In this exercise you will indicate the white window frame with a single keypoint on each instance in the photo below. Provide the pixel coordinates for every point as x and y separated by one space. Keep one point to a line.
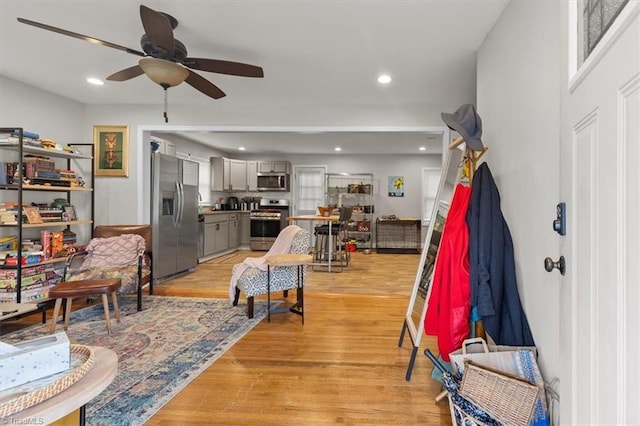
318 190
430 183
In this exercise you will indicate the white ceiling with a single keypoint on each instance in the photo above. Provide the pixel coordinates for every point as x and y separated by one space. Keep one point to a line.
314 53
321 142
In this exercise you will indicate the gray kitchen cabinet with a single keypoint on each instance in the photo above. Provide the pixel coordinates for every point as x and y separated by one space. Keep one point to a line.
219 173
252 175
216 233
233 231
228 174
237 175
209 238
274 167
244 229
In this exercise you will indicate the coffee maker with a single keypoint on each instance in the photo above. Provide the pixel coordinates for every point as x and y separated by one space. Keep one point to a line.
233 203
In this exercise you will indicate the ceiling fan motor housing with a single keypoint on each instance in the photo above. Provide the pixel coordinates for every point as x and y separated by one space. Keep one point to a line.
179 52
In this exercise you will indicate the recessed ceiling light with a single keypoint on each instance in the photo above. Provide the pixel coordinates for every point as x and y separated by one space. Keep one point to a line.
95 81
337 148
241 148
384 79
423 148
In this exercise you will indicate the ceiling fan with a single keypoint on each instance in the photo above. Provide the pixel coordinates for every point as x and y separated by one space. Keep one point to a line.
164 58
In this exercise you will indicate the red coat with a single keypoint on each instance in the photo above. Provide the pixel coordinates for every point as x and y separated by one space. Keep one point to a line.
450 301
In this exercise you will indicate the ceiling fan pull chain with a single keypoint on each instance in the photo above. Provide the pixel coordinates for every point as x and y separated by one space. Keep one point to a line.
166 117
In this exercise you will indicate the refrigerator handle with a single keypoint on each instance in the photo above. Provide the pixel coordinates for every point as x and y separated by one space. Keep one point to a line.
181 211
176 209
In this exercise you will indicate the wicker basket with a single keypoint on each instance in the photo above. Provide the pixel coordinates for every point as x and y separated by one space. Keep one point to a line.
324 211
508 399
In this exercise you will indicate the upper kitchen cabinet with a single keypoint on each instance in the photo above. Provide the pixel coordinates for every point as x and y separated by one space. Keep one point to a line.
274 167
228 174
252 175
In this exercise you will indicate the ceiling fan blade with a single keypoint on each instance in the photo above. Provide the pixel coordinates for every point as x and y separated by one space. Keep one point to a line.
205 86
126 74
81 36
224 67
158 29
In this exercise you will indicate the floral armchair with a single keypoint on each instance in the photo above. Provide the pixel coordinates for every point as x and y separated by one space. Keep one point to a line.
116 251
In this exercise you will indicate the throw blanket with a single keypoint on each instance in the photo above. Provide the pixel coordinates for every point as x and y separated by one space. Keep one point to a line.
281 245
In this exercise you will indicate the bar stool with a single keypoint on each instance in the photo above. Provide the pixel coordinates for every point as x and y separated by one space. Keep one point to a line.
323 239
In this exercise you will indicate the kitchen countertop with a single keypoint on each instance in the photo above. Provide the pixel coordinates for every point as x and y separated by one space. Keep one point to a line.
208 212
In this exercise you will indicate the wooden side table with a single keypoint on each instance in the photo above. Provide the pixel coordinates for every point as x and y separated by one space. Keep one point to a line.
288 260
75 396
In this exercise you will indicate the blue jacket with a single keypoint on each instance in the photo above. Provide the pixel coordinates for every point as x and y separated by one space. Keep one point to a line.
494 288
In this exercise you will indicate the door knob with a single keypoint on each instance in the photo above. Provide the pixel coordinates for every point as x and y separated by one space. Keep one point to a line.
549 264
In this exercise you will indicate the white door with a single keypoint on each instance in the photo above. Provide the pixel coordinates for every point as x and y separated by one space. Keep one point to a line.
600 295
308 189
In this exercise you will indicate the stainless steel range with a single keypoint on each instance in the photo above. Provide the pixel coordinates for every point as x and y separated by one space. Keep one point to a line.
267 222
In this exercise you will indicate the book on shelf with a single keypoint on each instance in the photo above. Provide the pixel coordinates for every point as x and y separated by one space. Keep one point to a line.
32 214
52 244
8 217
10 172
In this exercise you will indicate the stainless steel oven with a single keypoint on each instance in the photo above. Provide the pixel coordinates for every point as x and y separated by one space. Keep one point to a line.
267 222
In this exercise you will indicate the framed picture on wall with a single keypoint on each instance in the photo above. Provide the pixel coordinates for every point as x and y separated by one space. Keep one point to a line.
111 150
395 186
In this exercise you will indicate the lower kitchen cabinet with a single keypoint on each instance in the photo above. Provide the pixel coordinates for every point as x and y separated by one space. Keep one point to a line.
244 225
216 233
233 231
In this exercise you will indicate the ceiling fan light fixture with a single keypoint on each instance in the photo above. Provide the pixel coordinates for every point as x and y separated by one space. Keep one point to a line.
165 73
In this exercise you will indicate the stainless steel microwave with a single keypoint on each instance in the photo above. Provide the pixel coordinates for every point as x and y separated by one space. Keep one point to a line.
273 182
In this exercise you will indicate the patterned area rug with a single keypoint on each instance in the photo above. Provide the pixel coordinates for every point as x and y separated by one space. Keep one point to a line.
160 349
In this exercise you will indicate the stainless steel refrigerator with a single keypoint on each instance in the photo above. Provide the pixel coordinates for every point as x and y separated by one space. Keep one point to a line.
174 215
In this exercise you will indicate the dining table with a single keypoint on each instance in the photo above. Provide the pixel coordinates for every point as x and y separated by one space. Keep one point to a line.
312 218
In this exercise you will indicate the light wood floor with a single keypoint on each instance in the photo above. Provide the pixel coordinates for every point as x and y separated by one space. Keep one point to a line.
343 366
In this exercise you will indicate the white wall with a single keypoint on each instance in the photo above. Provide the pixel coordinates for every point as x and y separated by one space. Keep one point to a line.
52 116
150 117
409 166
64 120
518 100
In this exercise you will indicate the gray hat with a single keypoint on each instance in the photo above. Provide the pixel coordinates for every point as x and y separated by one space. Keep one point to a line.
468 124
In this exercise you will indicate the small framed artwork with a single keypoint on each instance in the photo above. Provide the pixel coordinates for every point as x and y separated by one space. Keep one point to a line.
395 187
32 214
111 150
69 214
